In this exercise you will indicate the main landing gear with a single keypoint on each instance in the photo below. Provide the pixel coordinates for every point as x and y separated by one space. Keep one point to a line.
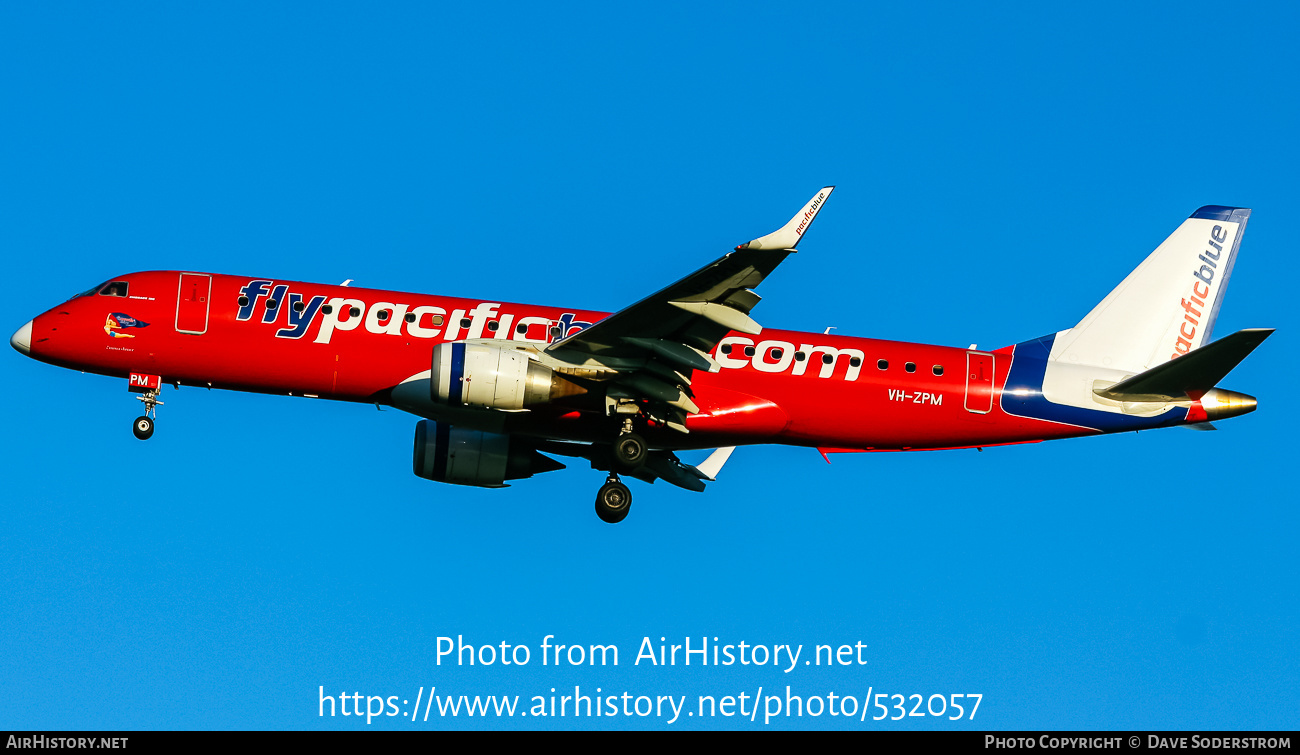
613 501
629 449
143 425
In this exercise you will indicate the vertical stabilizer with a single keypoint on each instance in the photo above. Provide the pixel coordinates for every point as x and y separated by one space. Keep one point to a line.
1168 305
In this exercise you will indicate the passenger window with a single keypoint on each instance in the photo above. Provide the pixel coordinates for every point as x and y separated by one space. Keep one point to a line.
116 288
882 364
938 370
910 366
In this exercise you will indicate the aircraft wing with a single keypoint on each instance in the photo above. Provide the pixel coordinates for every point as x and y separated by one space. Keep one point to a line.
670 333
659 465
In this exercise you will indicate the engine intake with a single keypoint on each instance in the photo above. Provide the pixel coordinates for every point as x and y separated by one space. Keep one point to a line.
494 378
444 453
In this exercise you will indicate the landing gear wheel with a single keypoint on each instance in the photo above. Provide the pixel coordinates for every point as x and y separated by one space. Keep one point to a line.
143 428
630 451
613 501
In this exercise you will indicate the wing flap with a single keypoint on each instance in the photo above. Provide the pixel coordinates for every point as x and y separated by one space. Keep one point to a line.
728 317
678 353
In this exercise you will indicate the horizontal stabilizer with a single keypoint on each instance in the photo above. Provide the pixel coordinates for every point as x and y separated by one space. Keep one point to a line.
1191 375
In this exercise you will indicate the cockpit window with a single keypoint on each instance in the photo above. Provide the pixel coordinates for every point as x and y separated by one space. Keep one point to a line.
116 288
87 292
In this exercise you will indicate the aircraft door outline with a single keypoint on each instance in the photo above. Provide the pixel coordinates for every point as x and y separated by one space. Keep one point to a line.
979 382
193 303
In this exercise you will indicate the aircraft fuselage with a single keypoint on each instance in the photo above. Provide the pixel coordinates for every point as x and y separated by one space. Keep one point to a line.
355 344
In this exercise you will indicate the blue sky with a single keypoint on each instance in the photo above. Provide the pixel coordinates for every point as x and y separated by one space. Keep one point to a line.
999 171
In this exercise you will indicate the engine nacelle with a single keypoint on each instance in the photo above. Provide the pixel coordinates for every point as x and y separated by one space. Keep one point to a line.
493 377
444 453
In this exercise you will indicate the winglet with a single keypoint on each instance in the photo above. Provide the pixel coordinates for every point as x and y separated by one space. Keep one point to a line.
790 234
712 465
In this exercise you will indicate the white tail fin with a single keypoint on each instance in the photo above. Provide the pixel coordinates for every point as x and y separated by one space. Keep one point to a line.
1168 305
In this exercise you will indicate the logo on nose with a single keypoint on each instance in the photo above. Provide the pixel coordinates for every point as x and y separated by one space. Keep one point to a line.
117 322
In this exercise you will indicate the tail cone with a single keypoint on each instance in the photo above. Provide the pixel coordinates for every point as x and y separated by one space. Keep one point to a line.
1221 404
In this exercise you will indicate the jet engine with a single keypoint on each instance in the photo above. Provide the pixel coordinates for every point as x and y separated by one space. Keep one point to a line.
493 377
444 453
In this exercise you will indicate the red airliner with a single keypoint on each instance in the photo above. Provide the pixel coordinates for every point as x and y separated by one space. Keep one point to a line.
502 388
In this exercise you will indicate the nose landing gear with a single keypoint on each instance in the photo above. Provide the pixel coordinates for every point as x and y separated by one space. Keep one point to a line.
149 386
143 426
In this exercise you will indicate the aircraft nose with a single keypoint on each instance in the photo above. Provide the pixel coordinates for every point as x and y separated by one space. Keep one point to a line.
22 339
